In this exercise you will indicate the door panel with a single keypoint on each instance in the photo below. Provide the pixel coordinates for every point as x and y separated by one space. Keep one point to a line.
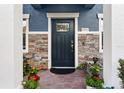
62 43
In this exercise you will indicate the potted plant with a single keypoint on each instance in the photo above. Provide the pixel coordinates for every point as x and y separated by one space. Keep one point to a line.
121 71
32 81
93 79
94 82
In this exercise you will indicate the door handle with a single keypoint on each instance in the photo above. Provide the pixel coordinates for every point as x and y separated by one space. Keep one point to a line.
72 45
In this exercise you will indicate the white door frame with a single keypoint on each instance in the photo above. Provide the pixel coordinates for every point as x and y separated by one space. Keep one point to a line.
62 15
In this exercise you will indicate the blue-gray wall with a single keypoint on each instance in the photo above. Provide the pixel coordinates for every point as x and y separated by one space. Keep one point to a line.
39 22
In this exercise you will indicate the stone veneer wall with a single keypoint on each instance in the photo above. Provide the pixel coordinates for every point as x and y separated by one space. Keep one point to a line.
88 47
38 48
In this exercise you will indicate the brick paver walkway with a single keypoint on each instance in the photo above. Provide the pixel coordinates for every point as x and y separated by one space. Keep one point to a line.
49 80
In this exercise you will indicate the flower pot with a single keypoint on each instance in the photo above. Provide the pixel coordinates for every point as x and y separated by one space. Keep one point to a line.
89 87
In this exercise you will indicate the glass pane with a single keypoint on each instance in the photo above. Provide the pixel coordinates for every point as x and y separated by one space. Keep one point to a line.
62 27
24 41
24 34
102 40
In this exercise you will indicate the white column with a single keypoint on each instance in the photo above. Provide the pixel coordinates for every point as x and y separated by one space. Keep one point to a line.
76 42
117 41
107 52
10 46
18 48
113 43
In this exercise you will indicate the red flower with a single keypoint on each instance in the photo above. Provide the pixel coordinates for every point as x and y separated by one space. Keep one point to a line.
33 77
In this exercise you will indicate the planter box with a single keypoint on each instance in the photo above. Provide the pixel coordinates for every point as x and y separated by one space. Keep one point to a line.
89 87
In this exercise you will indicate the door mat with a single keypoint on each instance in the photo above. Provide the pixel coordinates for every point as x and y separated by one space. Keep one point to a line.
62 70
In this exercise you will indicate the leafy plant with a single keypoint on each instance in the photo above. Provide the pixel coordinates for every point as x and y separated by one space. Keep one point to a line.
94 82
30 84
95 69
121 71
27 69
82 66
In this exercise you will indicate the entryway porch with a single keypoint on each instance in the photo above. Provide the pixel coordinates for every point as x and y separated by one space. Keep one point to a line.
49 80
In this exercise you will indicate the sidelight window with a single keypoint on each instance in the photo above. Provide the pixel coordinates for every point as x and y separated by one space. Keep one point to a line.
25 32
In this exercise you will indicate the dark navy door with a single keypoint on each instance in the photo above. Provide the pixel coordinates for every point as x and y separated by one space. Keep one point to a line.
63 43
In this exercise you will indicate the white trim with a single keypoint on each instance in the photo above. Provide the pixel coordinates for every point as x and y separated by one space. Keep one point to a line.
76 42
89 32
62 15
100 16
37 32
26 16
49 43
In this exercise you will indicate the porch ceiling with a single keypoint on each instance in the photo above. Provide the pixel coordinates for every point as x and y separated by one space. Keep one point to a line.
42 6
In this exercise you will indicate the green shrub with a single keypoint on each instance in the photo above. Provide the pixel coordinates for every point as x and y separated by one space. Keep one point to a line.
121 71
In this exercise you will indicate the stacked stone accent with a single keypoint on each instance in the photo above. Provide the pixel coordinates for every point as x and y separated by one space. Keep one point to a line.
38 49
88 47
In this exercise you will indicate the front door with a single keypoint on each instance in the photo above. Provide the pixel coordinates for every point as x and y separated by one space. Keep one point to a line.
63 43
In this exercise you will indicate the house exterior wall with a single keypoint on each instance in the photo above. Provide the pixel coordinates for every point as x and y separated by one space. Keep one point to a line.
88 44
39 22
